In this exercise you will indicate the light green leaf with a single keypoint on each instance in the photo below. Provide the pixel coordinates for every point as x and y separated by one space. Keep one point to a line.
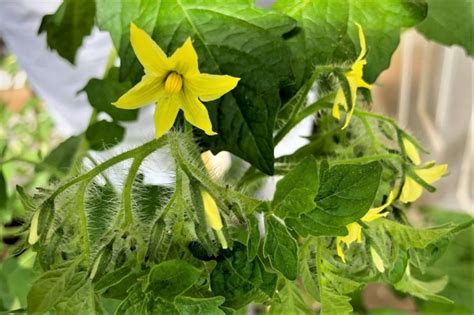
450 23
237 39
290 302
209 306
329 34
68 26
280 248
425 290
296 191
346 193
171 278
3 191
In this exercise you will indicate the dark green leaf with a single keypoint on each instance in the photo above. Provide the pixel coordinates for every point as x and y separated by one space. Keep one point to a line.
450 23
3 191
171 278
329 33
305 225
67 27
237 39
253 240
242 281
280 248
346 193
296 191
101 94
209 306
63 155
103 135
112 278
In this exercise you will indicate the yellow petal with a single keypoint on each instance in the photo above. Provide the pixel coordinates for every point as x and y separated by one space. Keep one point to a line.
209 87
432 174
213 216
411 151
339 250
185 59
362 43
377 260
149 54
33 237
374 213
165 114
147 91
411 190
196 113
339 100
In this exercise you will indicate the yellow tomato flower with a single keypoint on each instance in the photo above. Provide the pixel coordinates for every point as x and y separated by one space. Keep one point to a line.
173 83
355 229
355 80
411 151
430 173
213 216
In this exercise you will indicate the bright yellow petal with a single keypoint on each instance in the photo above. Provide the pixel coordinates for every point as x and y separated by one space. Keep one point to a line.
411 151
355 234
149 54
339 250
185 59
374 213
432 174
147 91
196 113
213 216
339 100
209 87
411 190
362 43
165 114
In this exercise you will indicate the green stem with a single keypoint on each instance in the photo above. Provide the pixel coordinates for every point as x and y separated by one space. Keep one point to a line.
367 159
370 132
144 149
127 189
81 212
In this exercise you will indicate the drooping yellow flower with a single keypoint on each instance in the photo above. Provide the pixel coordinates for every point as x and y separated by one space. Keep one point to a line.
213 216
355 80
173 83
411 151
355 229
430 173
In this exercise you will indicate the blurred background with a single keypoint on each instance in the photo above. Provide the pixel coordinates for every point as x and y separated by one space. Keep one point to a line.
428 89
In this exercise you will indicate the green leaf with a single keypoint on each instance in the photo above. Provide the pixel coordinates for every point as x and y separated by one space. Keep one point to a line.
48 289
450 23
209 306
171 278
78 301
103 92
237 39
333 282
346 193
290 302
280 248
67 27
306 225
296 191
103 135
112 278
62 156
329 33
253 240
241 281
425 290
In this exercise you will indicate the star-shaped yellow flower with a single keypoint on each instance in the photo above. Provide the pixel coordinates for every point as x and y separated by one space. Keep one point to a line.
355 229
430 173
173 83
355 80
